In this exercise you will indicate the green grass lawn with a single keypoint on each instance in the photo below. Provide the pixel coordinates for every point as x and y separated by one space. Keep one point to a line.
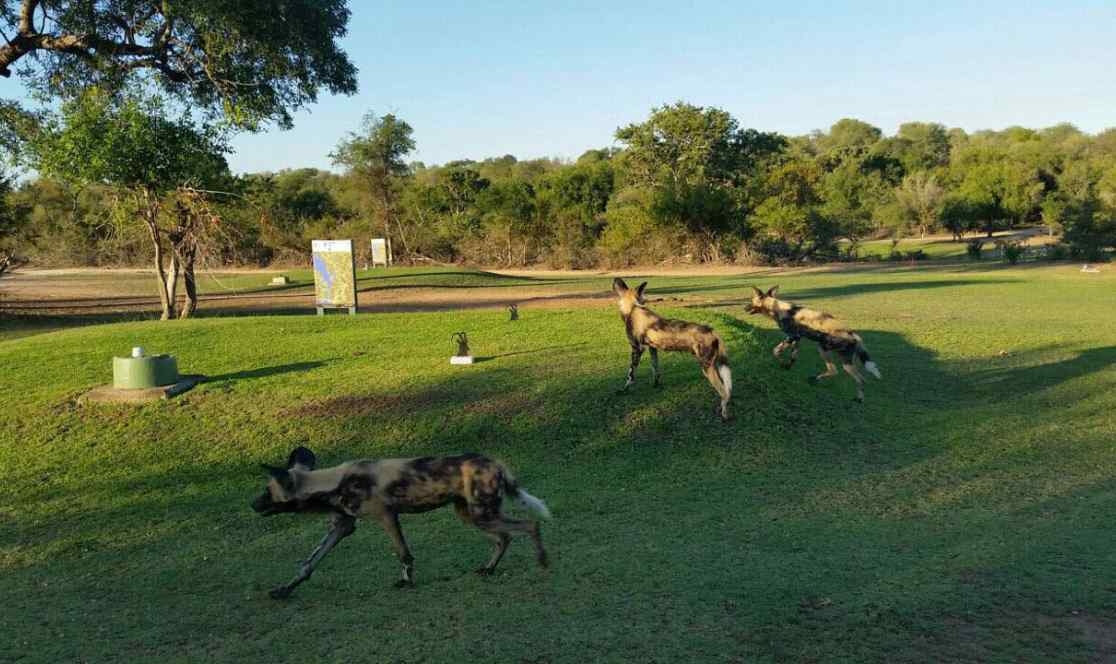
964 513
933 248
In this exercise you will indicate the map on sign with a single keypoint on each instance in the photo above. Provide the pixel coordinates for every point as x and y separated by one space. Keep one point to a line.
334 273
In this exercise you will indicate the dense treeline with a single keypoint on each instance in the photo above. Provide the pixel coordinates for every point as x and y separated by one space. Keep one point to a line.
687 184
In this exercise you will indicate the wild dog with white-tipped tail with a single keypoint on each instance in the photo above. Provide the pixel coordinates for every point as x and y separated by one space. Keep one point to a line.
385 488
831 334
648 330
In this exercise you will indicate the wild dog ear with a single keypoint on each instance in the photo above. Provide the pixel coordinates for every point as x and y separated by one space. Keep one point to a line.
303 457
639 291
771 291
619 286
758 291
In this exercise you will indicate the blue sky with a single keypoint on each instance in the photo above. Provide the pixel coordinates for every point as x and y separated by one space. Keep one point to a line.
479 79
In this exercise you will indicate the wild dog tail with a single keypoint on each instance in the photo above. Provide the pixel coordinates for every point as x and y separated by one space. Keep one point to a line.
869 365
513 490
722 364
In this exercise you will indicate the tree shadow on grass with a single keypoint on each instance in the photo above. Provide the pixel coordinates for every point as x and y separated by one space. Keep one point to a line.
264 372
1019 380
488 358
826 292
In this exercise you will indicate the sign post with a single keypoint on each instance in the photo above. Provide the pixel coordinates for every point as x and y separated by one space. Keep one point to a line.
334 275
381 251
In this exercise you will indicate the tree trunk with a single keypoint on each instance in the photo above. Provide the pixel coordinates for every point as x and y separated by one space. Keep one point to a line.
166 294
171 285
190 305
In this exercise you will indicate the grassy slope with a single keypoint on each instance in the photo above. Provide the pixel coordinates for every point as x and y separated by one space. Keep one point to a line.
963 512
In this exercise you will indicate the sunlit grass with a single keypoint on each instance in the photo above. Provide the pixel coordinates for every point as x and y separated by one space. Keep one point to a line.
962 513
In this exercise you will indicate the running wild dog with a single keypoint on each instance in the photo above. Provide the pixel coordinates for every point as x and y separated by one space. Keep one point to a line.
383 489
832 336
648 330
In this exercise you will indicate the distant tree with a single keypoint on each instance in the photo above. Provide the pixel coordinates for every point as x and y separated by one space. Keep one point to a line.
958 215
684 143
132 145
920 198
701 167
377 156
851 194
847 138
792 211
508 207
923 146
12 222
1087 197
250 60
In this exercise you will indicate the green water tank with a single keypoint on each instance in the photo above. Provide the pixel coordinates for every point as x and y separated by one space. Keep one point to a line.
136 373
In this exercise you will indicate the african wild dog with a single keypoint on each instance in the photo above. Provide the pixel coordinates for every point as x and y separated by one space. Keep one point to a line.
385 488
832 336
646 329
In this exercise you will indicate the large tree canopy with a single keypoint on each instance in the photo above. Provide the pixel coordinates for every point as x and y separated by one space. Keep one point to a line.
133 146
252 60
687 144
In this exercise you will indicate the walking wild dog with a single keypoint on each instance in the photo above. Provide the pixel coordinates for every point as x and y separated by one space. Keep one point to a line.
646 329
385 488
832 337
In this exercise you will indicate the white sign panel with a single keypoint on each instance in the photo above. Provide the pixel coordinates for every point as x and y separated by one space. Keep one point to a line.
381 252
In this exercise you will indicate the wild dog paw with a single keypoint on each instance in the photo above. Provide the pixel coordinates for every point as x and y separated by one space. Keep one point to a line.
403 584
544 561
281 592
484 571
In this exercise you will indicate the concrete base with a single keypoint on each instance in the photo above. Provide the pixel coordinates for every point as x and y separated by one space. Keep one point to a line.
109 394
351 310
461 359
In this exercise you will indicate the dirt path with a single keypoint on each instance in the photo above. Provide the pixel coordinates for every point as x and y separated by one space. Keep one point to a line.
83 292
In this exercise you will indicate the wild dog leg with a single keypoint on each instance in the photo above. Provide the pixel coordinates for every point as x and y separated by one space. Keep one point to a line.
390 522
655 368
637 352
502 540
851 370
501 525
341 526
470 514
830 366
783 345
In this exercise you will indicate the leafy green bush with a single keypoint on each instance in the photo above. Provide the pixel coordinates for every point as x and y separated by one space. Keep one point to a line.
974 249
1012 251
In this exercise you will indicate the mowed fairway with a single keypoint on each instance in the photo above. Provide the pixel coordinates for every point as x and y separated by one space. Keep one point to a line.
965 512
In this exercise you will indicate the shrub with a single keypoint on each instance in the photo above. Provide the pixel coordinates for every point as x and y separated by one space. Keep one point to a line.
1012 251
1055 252
771 251
974 249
